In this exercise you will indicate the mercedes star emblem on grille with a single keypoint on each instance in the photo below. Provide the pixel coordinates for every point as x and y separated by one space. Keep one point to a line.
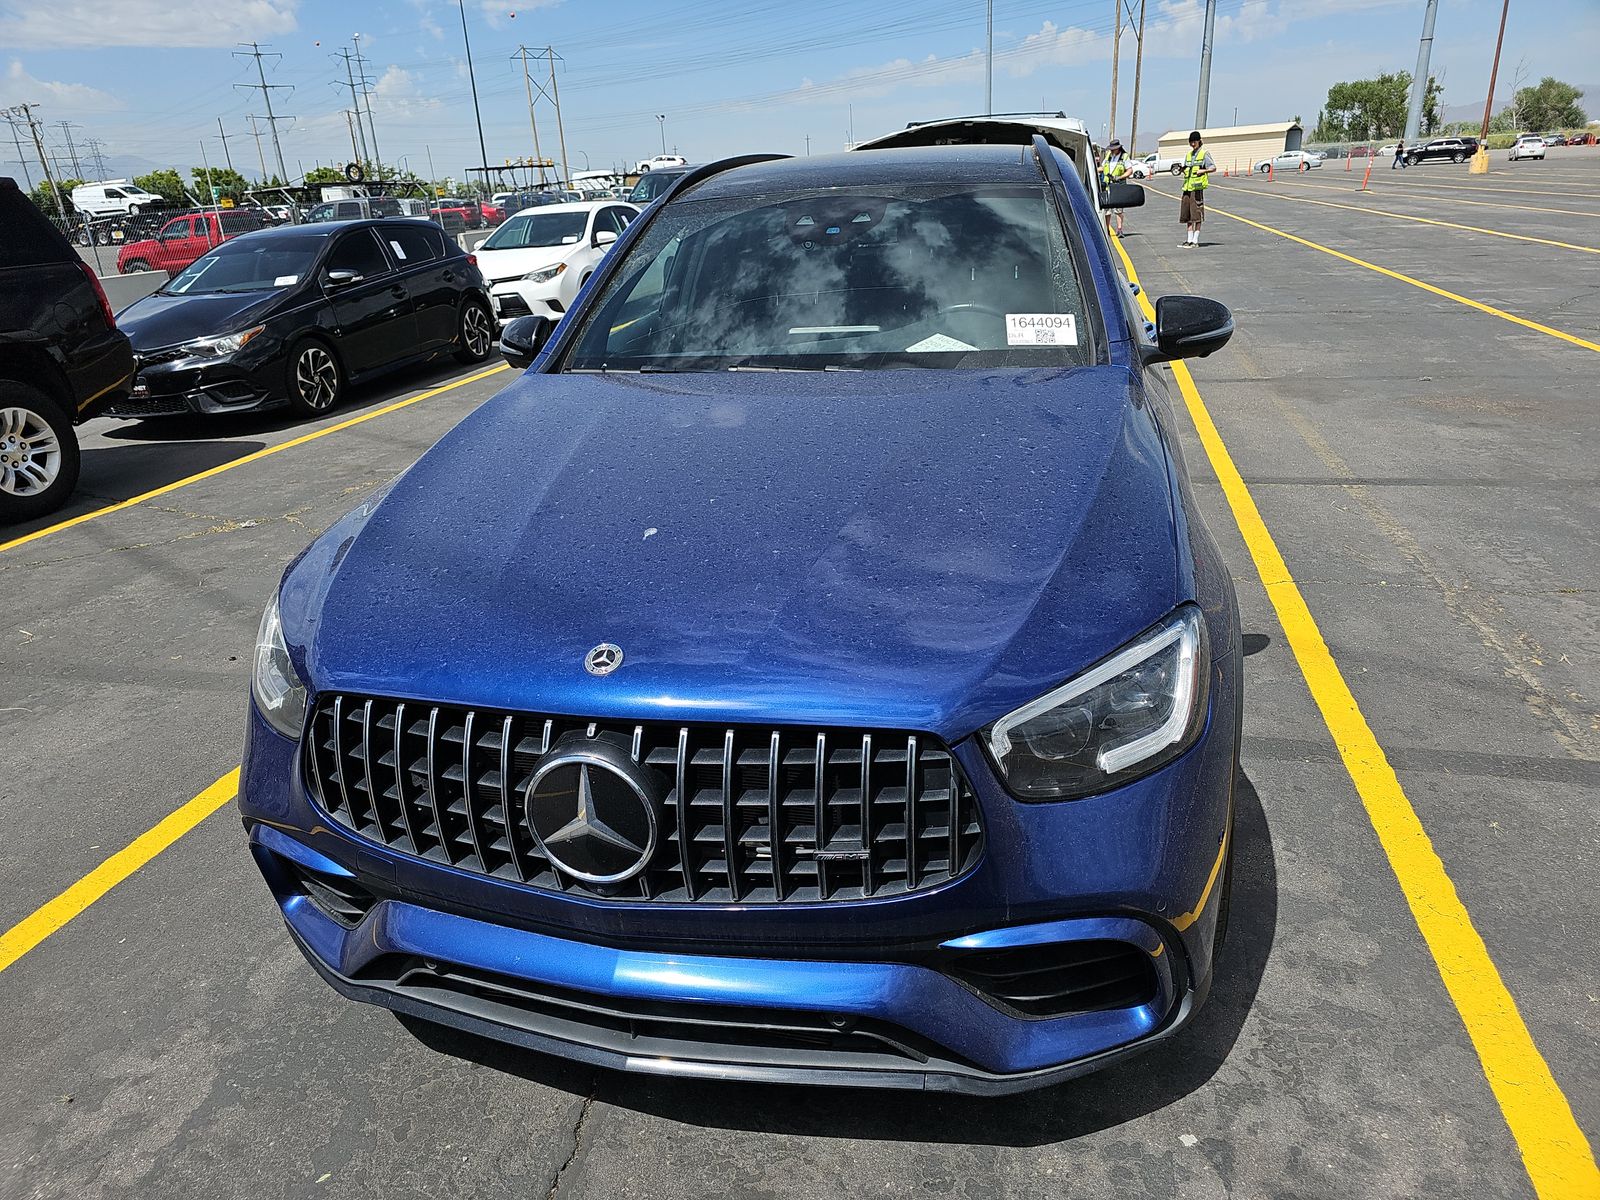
592 813
603 659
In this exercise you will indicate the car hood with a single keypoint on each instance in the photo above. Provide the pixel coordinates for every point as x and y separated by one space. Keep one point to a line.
163 320
918 549
500 265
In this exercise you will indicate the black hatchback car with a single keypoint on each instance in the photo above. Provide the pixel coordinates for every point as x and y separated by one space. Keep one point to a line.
62 358
294 314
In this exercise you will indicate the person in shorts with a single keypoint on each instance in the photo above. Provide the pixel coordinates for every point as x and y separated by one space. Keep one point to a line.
1114 169
1197 168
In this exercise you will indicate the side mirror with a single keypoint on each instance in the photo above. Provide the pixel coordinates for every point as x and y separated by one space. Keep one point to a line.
604 237
1191 327
1121 195
522 339
341 279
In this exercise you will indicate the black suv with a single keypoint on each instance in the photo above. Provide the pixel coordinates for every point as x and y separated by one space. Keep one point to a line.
1456 149
62 359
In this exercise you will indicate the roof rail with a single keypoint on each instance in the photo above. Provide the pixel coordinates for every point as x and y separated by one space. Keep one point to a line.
1059 116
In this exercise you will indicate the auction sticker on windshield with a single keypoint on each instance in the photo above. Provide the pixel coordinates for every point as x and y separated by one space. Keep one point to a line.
1041 329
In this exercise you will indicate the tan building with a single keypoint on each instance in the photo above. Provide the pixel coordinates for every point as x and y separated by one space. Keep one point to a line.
1237 148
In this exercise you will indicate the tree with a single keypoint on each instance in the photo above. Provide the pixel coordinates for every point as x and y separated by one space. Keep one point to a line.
1364 110
227 182
45 198
166 183
1550 105
322 175
1430 106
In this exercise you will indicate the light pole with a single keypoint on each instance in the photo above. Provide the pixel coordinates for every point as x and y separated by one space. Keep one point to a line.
661 119
483 154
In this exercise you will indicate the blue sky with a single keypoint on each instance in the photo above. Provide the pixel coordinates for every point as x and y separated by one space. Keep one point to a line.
149 78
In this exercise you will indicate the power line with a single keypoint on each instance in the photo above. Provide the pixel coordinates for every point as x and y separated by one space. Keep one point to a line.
25 111
21 159
266 90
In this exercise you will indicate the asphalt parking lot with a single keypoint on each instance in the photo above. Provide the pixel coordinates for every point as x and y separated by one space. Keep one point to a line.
1420 442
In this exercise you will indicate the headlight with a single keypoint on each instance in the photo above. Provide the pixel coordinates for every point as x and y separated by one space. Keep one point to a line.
221 347
1140 708
545 275
279 692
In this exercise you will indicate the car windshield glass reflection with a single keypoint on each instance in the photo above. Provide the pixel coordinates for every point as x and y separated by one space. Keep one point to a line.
248 266
908 276
538 229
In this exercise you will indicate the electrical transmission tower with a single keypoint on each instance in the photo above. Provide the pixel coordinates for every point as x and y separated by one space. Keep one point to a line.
266 89
97 153
366 96
25 111
523 54
66 128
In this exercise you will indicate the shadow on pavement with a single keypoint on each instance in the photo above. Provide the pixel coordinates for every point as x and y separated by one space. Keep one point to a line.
1111 1097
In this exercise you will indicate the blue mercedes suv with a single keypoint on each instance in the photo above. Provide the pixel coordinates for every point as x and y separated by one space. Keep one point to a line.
814 669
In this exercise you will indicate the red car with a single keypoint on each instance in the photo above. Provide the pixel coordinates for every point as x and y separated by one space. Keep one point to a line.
184 239
468 210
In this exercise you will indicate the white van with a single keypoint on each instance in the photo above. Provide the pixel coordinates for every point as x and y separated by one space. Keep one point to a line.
113 197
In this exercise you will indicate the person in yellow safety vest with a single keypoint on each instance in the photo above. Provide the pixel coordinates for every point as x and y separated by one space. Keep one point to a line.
1197 166
1114 169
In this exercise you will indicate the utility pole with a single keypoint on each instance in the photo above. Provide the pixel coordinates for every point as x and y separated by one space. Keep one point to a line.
808 145
1204 100
1138 75
360 156
988 63
1480 160
21 161
223 134
257 132
661 122
266 90
1419 81
25 111
349 121
561 132
366 96
1116 61
483 153
66 128
527 83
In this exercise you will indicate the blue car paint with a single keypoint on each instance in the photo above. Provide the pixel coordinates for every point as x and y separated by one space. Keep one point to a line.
883 550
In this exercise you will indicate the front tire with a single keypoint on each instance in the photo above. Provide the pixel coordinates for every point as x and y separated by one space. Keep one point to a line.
316 381
475 334
39 459
133 210
1458 157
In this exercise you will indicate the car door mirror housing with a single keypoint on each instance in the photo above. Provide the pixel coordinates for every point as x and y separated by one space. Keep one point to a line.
522 339
1190 327
1121 195
341 279
604 237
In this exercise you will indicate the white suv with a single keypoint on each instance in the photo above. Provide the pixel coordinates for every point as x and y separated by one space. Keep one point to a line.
656 162
114 197
1529 145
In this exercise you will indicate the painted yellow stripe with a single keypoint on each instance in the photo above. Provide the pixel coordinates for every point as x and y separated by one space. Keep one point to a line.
1379 212
1491 189
45 920
1563 212
1417 283
1554 1150
255 456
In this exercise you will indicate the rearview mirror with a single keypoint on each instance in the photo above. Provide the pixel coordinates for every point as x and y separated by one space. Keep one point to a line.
604 237
522 339
1121 195
341 279
1191 327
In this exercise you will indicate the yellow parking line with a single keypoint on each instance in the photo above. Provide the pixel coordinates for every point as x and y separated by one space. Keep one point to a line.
1487 189
1554 1150
1379 212
1417 283
51 916
255 456
1564 212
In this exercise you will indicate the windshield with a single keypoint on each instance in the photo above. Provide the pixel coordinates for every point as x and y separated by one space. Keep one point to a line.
249 265
539 229
897 276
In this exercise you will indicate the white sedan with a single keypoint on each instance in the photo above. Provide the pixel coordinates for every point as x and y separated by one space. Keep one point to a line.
539 258
1528 146
1291 160
657 161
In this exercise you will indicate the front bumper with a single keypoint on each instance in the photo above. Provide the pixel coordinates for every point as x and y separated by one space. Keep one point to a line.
856 993
179 385
518 298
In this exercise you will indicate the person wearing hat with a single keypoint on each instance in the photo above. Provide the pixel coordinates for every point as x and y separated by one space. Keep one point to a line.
1114 169
1197 165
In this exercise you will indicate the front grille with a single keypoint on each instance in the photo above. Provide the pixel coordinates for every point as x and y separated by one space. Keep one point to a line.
509 304
857 814
1058 978
170 354
152 406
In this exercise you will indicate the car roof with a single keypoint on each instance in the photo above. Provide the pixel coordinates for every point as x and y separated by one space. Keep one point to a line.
569 206
329 228
966 164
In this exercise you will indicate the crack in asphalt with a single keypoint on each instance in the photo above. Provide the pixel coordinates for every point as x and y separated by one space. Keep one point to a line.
577 1147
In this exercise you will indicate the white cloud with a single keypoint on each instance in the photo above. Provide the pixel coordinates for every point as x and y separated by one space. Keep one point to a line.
64 24
60 97
396 93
